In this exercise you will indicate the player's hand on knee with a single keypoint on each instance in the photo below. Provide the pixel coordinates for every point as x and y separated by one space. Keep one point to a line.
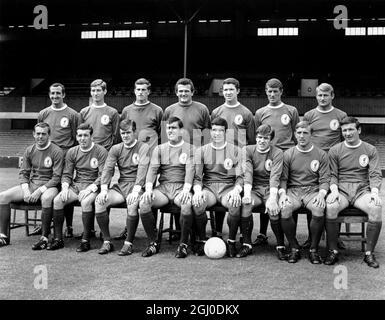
246 198
35 196
64 194
132 197
284 201
102 197
234 198
375 198
185 197
198 199
147 196
319 201
333 196
272 207
27 196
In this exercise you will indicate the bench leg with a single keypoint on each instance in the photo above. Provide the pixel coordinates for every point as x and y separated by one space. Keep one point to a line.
26 219
363 235
170 229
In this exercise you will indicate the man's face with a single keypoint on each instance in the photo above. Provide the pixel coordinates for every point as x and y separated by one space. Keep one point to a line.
218 134
84 138
41 136
141 93
324 98
263 142
303 136
56 95
184 93
274 95
128 136
173 131
97 93
350 133
230 92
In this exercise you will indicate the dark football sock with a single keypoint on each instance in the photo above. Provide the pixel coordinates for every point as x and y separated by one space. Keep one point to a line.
247 225
186 224
5 217
178 222
278 232
309 217
219 219
46 218
233 221
131 225
155 212
201 221
264 223
373 230
58 221
69 214
332 228
288 227
88 218
316 227
148 221
103 220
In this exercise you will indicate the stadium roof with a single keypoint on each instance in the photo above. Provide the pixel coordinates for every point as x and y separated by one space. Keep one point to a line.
114 11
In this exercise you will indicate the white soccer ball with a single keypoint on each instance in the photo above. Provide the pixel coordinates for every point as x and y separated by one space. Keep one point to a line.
215 248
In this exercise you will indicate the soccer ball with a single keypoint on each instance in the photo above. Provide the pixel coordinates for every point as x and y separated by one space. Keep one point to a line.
215 248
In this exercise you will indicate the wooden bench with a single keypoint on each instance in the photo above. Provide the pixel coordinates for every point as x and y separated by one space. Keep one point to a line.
28 221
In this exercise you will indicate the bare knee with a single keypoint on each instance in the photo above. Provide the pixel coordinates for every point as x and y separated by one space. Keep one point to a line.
375 213
132 210
332 210
87 204
46 200
287 211
144 207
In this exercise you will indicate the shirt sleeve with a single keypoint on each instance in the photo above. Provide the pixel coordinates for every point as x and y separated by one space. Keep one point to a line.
115 128
190 167
250 131
239 168
109 166
102 156
294 121
285 170
276 169
324 172
257 119
375 175
144 161
333 165
248 167
154 166
69 167
75 123
199 165
25 170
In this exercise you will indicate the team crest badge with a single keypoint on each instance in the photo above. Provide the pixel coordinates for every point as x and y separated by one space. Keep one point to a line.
94 163
105 119
238 119
364 160
228 164
268 164
285 119
64 122
334 124
314 165
48 162
183 158
135 158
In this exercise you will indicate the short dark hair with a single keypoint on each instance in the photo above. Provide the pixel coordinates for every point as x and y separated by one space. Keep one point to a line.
57 84
85 126
184 82
233 81
219 122
42 125
99 82
266 130
274 83
348 120
126 124
175 119
143 81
